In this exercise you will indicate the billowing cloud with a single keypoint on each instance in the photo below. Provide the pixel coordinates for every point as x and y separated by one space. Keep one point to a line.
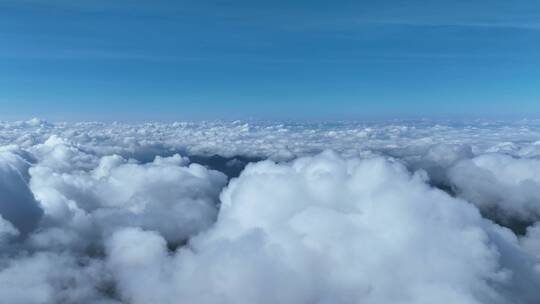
501 184
47 277
531 241
400 212
166 195
329 230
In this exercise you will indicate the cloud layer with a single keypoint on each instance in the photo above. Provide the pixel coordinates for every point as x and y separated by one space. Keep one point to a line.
409 212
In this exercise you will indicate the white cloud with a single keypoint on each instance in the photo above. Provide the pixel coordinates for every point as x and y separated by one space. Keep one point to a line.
166 195
507 186
531 241
111 213
53 278
328 230
280 140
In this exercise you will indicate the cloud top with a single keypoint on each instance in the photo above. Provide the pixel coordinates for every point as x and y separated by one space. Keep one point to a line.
395 212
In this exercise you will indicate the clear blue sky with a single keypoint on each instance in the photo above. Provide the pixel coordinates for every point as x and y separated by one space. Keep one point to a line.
177 60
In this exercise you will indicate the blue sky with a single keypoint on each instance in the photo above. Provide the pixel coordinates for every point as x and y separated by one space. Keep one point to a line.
191 60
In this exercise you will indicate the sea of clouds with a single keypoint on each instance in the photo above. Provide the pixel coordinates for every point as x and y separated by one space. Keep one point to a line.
263 212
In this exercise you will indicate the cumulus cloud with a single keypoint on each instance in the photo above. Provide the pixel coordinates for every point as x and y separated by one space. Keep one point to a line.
531 241
66 201
138 213
166 195
280 141
53 278
328 230
504 185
